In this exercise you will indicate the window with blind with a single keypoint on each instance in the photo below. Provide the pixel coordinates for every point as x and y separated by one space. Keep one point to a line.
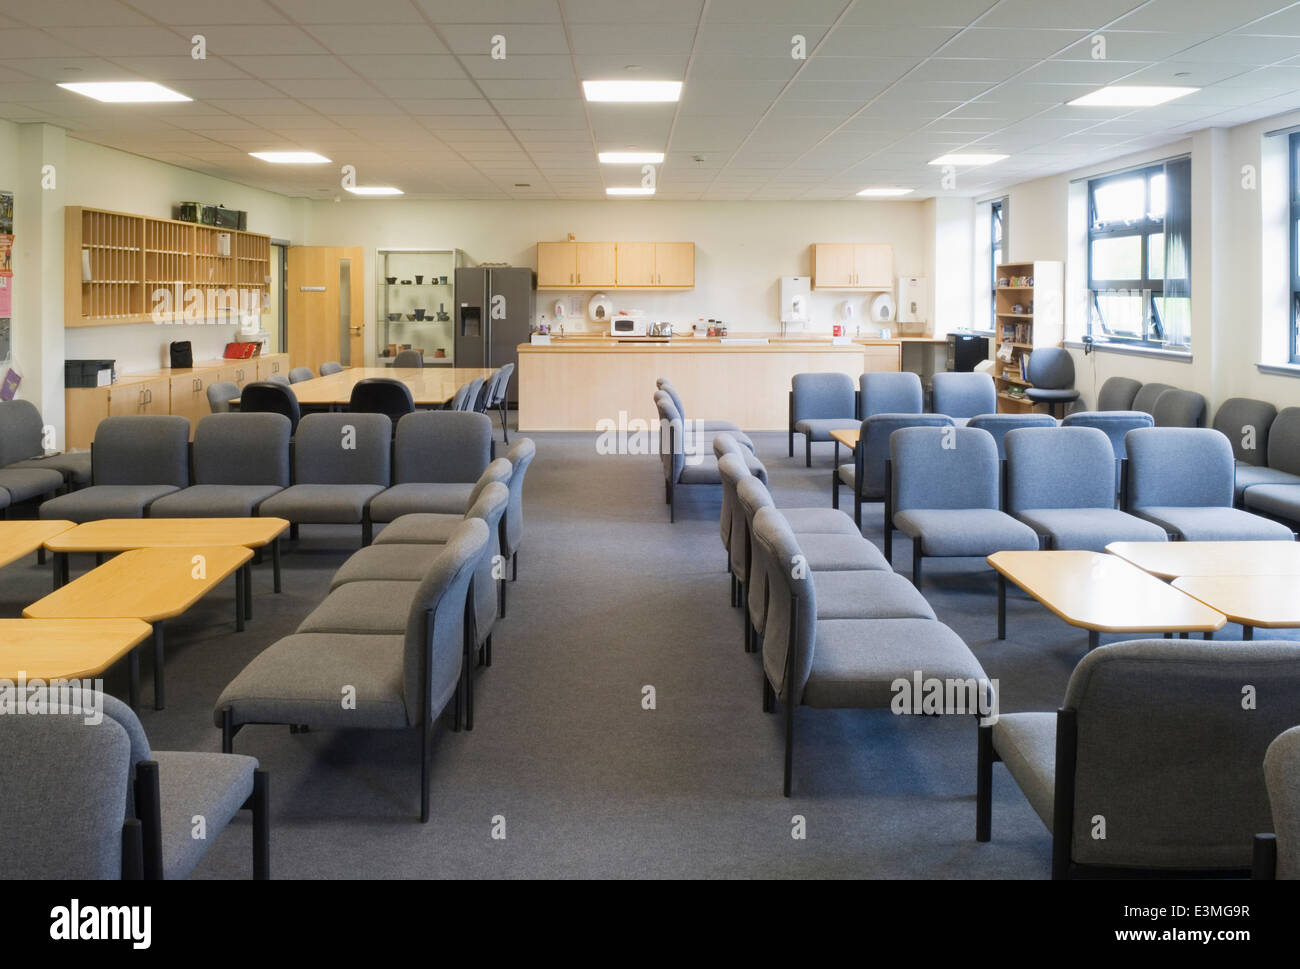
1294 168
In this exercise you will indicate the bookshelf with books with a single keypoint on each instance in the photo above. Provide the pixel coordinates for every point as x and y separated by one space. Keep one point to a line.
1028 314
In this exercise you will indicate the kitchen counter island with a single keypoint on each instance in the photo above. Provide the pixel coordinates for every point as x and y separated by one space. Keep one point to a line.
575 382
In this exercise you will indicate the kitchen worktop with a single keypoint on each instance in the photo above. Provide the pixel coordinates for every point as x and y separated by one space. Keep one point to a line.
777 344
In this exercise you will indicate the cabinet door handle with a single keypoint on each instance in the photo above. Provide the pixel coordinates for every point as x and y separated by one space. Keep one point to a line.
579 277
570 277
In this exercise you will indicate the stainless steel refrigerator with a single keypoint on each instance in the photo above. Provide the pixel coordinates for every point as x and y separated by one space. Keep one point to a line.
494 310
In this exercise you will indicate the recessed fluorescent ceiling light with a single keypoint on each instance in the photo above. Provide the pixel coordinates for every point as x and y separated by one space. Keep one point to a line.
631 157
374 190
1130 96
117 92
884 193
632 90
629 190
290 157
967 159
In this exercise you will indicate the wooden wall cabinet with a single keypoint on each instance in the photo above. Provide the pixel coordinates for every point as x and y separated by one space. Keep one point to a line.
271 365
867 266
615 265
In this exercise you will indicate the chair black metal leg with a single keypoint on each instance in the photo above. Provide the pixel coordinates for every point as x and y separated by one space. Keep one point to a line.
40 555
159 696
807 451
275 561
148 808
367 531
501 598
984 785
426 753
1002 606
293 532
227 731
769 695
514 566
789 741
487 652
672 503
261 806
468 674
916 562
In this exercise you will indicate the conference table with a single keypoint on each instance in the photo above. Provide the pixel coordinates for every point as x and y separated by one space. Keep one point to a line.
69 649
430 386
21 537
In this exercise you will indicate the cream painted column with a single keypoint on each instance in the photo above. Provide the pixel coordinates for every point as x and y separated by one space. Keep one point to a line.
38 269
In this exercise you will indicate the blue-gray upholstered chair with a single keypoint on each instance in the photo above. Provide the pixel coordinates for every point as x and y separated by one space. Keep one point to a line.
1179 408
1117 393
501 398
271 397
1283 466
458 399
409 359
433 528
438 458
1051 371
999 424
944 496
871 457
340 463
22 445
298 374
1147 396
707 427
1281 848
842 663
520 456
964 395
330 366
402 681
1115 424
1150 736
820 403
220 394
890 393
279 379
135 461
239 461
724 444
1181 478
683 458
473 392
374 594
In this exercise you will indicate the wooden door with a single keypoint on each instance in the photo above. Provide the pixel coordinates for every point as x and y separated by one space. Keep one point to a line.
873 265
326 284
597 264
675 264
636 263
833 265
556 263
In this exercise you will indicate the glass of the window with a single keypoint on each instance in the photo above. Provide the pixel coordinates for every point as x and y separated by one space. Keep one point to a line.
1120 200
1117 257
1120 313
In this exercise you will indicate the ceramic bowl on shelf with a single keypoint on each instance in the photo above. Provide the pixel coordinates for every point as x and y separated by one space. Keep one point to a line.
419 280
410 317
394 317
390 280
406 282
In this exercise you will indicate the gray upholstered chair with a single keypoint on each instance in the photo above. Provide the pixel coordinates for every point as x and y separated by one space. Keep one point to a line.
707 427
1051 371
501 398
1282 449
279 379
298 374
853 663
473 392
1282 780
890 393
1117 393
135 461
429 528
1152 740
271 397
22 445
520 455
1245 423
30 484
409 359
401 681
329 367
820 403
871 458
239 461
999 424
724 444
964 395
457 401
1181 479
1059 483
684 463
944 489
1179 408
438 456
1147 395
340 463
1115 424
220 394
374 595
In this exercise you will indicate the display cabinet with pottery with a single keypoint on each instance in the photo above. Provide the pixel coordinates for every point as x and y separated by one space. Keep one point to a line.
415 296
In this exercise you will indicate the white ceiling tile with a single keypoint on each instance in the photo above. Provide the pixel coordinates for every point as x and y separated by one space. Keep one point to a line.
1210 15
1036 13
379 39
522 39
491 11
635 38
246 40
22 42
542 67
987 42
632 11
86 13
348 11
426 67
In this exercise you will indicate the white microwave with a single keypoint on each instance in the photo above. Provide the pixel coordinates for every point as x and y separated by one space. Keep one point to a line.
622 326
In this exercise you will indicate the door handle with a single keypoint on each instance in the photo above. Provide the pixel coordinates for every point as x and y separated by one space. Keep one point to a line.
570 277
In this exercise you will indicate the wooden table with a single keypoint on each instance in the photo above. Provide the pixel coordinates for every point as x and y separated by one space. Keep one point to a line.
1172 560
52 649
123 534
19 538
430 386
1267 601
153 585
1100 593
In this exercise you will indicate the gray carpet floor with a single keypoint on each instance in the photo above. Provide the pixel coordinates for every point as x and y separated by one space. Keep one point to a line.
610 599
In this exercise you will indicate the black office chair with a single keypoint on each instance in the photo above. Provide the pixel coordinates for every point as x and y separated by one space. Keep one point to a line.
1051 371
268 397
382 395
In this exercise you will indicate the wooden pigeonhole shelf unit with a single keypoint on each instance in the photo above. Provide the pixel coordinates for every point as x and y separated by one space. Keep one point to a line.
132 256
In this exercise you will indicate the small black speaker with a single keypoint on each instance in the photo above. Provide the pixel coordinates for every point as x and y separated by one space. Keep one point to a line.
182 355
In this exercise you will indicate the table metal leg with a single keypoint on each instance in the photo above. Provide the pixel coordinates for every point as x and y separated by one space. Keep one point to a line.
1208 634
159 697
248 591
1002 606
275 561
1247 632
239 600
1094 639
133 670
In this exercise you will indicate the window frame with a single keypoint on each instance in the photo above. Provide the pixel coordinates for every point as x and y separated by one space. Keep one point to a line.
1144 229
1293 169
997 247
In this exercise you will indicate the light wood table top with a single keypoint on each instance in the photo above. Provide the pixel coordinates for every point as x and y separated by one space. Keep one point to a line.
1268 601
50 649
142 583
847 437
1170 560
123 534
19 538
429 385
1104 593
